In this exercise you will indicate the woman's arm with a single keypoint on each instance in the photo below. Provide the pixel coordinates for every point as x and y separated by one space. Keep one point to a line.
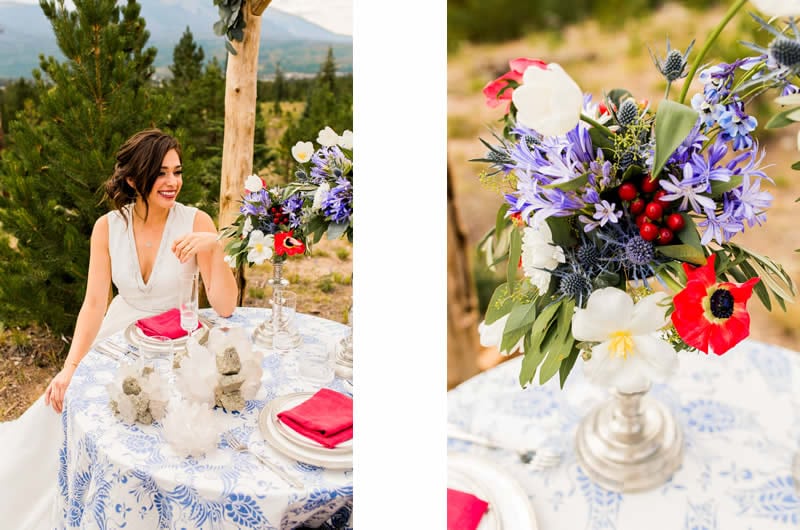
90 317
218 277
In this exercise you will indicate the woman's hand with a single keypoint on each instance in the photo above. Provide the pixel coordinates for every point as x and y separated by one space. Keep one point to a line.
54 395
194 243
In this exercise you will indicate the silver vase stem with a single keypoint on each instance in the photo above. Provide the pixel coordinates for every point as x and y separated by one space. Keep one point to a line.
262 335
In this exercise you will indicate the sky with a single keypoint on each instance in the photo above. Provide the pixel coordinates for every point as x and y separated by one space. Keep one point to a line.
333 15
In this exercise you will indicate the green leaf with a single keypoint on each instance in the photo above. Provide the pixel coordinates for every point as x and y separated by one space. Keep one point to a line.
542 324
514 252
759 288
796 167
718 188
495 310
566 366
570 185
530 363
599 139
684 253
561 230
561 345
220 28
518 324
501 222
782 119
618 94
674 122
335 230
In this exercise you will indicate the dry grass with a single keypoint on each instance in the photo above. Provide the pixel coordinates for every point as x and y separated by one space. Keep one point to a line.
600 61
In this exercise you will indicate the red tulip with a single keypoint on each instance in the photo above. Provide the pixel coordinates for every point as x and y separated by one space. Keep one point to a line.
518 66
710 315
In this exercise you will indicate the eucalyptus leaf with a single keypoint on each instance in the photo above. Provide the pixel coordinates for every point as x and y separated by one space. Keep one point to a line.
674 122
718 187
530 363
542 324
554 358
229 47
496 309
335 230
684 253
566 366
518 324
782 119
570 185
514 253
220 27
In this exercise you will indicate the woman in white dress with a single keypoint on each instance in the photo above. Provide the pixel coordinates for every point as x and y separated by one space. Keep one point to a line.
141 246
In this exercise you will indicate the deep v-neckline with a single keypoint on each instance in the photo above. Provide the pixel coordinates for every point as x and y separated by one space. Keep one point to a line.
146 285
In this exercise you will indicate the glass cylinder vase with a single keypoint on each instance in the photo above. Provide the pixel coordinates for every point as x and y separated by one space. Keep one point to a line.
264 332
630 443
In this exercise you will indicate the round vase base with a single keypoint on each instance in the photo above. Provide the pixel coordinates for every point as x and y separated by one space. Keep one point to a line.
629 460
262 336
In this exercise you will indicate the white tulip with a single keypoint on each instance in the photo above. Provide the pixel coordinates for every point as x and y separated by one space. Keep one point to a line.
346 139
302 151
491 335
631 353
548 101
253 183
540 255
778 8
260 247
327 137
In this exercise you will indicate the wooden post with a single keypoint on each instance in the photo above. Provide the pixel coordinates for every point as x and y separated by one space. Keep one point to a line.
241 78
463 346
240 119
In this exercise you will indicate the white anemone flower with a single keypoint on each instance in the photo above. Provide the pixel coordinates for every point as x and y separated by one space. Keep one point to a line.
540 255
230 261
346 139
631 353
260 247
302 151
548 100
492 335
253 183
327 137
320 195
778 8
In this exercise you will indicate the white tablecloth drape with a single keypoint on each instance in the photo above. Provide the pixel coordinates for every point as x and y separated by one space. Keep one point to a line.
114 475
739 414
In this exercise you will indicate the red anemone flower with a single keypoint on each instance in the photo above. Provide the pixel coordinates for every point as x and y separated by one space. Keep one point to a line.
286 244
711 315
496 91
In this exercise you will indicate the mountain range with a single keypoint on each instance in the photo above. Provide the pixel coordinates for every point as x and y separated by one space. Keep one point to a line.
298 44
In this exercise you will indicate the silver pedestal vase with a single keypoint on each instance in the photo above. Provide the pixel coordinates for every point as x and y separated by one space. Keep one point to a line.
262 335
629 443
344 350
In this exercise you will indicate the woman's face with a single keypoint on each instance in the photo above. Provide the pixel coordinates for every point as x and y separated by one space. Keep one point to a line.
168 184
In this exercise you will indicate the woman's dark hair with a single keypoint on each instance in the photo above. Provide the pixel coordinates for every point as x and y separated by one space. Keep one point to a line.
139 159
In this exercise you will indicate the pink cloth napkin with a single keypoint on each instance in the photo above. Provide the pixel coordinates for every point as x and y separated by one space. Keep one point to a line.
326 417
464 510
167 324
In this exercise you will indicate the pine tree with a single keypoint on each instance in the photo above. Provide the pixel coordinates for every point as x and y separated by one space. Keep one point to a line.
325 105
327 73
187 61
279 86
53 175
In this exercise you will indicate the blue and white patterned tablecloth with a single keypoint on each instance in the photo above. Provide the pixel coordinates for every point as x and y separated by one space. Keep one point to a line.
113 475
739 415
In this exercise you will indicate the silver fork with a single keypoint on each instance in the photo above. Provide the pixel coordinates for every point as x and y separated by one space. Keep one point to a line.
238 445
539 459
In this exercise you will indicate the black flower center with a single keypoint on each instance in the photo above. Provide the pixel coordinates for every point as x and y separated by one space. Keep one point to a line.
722 303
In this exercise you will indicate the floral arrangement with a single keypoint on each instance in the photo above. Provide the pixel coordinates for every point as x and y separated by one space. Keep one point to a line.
325 177
618 218
269 226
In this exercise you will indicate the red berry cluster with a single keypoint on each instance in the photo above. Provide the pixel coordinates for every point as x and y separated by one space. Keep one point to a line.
649 210
278 217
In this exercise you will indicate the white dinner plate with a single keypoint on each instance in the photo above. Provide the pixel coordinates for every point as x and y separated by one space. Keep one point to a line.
289 401
136 337
321 456
508 501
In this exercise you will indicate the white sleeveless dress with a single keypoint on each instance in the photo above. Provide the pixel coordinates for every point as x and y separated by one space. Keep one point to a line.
29 445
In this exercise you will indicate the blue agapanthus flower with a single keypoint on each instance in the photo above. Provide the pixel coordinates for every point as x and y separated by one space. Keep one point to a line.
338 205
